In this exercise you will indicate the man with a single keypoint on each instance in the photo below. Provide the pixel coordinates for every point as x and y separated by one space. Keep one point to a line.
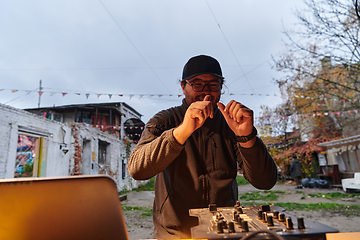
295 172
193 150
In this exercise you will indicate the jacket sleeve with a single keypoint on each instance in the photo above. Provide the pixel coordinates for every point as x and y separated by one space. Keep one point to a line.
258 166
155 151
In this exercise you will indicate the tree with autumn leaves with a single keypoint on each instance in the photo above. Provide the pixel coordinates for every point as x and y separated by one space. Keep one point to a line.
321 77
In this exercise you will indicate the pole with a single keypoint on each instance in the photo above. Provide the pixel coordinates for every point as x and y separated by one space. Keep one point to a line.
40 88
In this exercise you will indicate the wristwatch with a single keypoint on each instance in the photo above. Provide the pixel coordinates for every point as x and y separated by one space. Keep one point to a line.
244 139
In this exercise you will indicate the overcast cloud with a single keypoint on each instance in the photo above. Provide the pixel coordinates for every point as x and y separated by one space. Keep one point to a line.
137 49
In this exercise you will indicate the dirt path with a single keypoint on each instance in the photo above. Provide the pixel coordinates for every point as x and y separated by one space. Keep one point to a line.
140 227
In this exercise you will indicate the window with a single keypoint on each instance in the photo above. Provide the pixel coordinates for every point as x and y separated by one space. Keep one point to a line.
57 117
102 154
123 172
30 156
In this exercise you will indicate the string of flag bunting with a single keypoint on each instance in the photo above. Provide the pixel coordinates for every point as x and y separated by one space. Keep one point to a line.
110 95
309 115
115 127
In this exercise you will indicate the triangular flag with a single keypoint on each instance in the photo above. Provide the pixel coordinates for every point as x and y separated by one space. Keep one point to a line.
110 95
98 95
52 93
77 93
87 95
120 95
131 95
141 96
40 93
64 93
14 90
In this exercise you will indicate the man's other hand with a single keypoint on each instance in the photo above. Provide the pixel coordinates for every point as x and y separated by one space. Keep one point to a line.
239 118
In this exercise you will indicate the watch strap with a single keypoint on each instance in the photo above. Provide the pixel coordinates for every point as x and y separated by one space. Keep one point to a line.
244 139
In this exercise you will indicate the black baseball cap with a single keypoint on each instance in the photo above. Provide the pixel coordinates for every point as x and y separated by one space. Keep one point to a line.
201 64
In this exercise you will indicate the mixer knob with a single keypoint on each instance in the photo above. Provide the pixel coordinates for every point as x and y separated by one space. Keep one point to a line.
281 217
260 215
212 207
264 217
265 208
239 221
276 214
220 227
234 213
270 221
289 224
231 227
236 219
245 226
225 226
301 224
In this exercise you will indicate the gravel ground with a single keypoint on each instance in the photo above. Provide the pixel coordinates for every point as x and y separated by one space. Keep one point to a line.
141 227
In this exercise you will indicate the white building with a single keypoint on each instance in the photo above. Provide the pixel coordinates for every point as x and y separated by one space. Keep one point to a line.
35 146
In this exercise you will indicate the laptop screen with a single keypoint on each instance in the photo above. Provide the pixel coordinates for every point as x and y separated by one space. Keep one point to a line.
77 207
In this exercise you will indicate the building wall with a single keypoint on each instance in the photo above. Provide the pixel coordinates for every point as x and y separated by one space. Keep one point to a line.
82 141
85 160
14 121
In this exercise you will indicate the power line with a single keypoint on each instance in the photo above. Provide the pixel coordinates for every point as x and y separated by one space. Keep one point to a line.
232 51
22 96
256 67
117 24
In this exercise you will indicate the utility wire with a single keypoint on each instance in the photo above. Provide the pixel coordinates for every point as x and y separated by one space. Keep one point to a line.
256 67
232 51
24 95
118 25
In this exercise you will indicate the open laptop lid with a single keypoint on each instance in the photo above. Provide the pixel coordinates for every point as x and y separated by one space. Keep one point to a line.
77 207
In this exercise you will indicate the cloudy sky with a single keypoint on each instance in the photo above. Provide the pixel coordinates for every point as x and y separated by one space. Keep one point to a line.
92 51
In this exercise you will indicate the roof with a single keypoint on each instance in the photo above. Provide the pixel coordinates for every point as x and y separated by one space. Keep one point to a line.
339 142
65 108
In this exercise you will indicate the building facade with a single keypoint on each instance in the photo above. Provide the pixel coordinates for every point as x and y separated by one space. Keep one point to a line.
38 145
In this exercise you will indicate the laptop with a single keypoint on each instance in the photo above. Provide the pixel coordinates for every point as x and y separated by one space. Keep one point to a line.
76 207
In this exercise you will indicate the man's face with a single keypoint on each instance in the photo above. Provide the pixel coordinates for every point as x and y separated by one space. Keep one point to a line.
199 95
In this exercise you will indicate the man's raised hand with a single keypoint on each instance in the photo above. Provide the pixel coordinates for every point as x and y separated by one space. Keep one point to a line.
194 118
239 118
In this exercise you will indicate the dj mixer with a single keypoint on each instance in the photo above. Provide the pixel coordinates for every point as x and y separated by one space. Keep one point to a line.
266 220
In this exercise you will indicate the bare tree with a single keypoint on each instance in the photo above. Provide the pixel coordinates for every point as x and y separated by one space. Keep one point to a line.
321 62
